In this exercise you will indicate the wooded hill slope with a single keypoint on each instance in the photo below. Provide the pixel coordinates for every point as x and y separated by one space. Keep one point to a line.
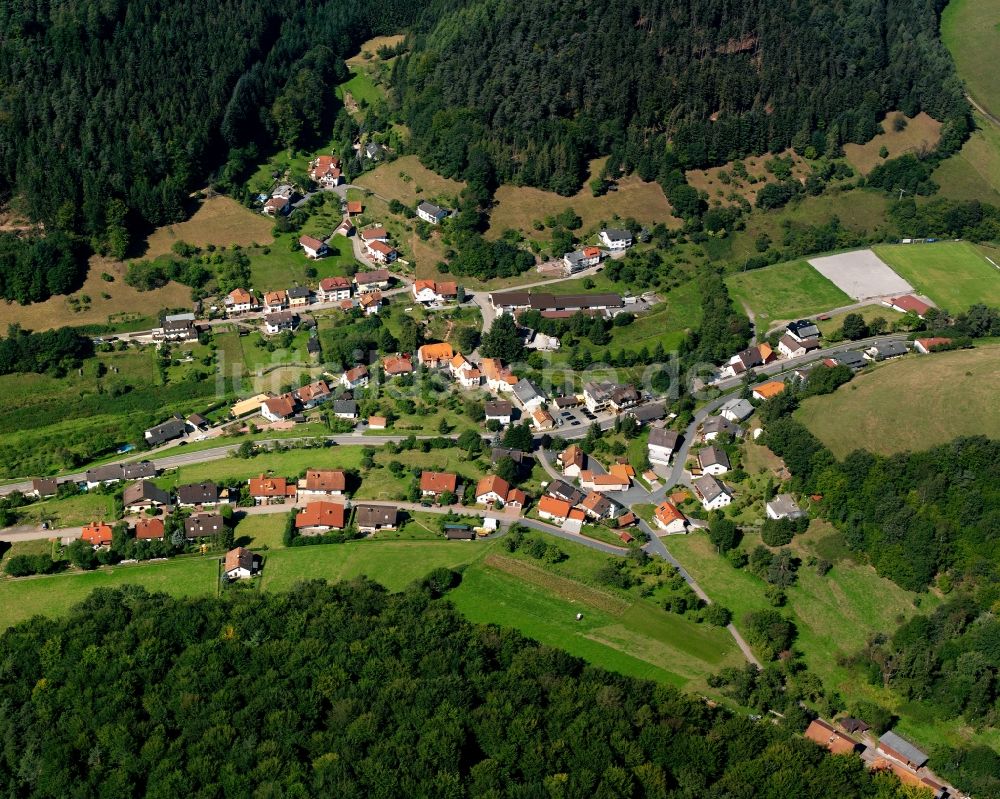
347 691
544 86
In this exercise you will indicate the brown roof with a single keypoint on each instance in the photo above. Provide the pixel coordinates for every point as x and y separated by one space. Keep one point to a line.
837 742
497 485
326 480
203 524
268 486
275 297
438 482
382 247
377 276
144 490
148 529
370 299
356 373
313 391
321 514
374 233
280 406
376 515
447 289
45 485
910 303
596 503
572 456
331 283
396 365
311 243
239 558
354 206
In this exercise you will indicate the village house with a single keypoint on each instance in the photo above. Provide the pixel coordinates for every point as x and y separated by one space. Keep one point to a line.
892 745
381 253
768 390
271 490
542 419
572 460
322 484
325 171
377 233
138 470
320 517
713 460
716 426
240 301
312 395
669 519
492 490
802 330
147 529
908 303
196 422
829 738
555 305
203 525
313 247
355 378
499 378
277 409
97 534
355 207
528 395
616 239
375 280
431 213
424 291
592 481
578 260
142 495
277 206
275 301
333 289
713 494
177 327
552 509
597 506
926 345
661 446
345 409
114 472
395 365
371 302
168 431
374 151
281 320
373 518
605 395
240 563
646 414
564 491
203 494
434 484
791 347
500 411
736 409
749 358
42 487
377 422
783 506
886 351
434 356
299 296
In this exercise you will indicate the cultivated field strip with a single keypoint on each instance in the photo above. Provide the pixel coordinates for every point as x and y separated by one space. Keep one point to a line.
562 587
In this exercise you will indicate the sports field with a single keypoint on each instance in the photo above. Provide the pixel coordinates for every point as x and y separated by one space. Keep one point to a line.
784 291
954 274
911 404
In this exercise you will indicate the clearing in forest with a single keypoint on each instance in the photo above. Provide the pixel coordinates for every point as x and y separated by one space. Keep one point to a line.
220 221
918 136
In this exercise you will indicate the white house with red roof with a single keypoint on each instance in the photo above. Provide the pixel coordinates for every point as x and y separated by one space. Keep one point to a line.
312 247
325 170
333 289
908 303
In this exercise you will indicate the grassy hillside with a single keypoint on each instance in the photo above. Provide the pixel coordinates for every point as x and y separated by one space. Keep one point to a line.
785 291
970 29
911 404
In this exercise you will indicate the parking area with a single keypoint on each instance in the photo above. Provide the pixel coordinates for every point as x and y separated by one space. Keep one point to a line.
575 418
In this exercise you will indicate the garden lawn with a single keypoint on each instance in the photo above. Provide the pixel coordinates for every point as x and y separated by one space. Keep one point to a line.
955 274
265 530
69 512
866 413
53 595
278 464
784 292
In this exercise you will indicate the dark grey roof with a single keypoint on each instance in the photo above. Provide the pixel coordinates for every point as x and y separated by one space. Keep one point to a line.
649 413
740 408
717 424
104 474
459 535
709 487
144 491
562 490
138 469
345 406
616 234
299 292
904 747
312 345
555 302
198 493
172 428
803 328
713 456
890 349
526 391
375 515
431 208
203 524
851 358
661 437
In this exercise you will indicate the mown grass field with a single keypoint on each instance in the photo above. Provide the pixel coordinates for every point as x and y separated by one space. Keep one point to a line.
920 135
406 180
970 29
518 206
218 220
954 274
360 87
279 266
950 393
68 512
973 173
784 292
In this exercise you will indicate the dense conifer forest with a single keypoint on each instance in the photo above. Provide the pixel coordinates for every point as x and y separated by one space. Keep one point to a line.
349 691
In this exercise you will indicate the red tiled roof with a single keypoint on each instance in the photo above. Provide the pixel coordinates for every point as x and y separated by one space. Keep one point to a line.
321 514
96 534
667 513
326 480
148 529
331 283
268 486
557 507
497 485
438 482
910 303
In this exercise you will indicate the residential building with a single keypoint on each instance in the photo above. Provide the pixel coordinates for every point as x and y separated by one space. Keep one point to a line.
736 409
97 534
768 390
143 494
716 426
886 351
371 302
299 296
270 490
241 563
791 347
104 475
851 359
355 378
492 490
499 378
374 151
661 445
542 419
354 208
313 394
651 412
247 406
749 358
275 301
371 234
616 239
424 291
377 422
240 301
435 355
669 519
197 422
591 481
277 409
926 345
783 506
573 460
380 252
766 353
277 206
802 330
459 532
552 509
431 213
177 327
568 304
605 395
281 320
345 409
168 431
373 518
147 529
395 365
333 289
312 247
908 303
203 525
713 460
499 410
138 470
322 484
433 484
375 280
42 487
892 745
562 490
597 506
713 494
325 171
578 260
320 517
528 395
829 738
198 494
